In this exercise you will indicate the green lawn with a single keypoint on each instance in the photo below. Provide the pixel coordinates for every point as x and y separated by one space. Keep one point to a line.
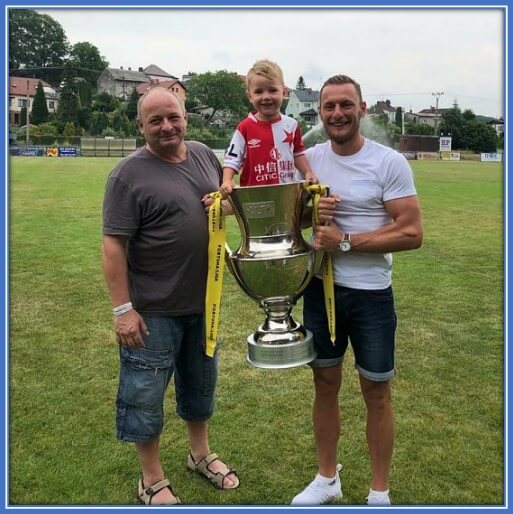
448 393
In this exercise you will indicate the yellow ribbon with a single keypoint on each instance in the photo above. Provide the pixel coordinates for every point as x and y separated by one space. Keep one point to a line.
317 190
216 249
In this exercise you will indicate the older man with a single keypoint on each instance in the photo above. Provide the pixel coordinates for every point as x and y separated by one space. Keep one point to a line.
155 240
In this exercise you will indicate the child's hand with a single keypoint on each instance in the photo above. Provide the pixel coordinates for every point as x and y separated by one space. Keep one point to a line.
311 178
226 187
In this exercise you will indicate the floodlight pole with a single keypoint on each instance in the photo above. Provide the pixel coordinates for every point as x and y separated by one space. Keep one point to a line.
437 96
27 117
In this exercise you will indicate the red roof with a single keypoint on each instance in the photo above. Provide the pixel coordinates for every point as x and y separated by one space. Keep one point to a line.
18 86
166 84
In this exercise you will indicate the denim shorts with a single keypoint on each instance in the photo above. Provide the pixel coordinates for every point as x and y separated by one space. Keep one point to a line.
175 345
365 317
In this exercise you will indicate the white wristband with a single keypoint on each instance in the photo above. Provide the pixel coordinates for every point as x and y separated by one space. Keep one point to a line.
121 309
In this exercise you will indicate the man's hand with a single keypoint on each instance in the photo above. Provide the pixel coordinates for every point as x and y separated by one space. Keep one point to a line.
207 201
327 237
326 208
129 328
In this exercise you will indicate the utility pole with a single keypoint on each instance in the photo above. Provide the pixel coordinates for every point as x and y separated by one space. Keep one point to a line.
27 117
437 96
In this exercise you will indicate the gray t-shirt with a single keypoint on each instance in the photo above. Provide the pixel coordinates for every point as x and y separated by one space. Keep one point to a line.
157 204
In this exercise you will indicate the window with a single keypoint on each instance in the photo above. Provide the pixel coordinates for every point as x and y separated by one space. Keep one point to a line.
22 102
308 104
51 105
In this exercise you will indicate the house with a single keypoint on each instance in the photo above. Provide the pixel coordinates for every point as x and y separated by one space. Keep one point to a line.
303 105
154 72
174 85
22 89
120 82
383 108
498 125
426 116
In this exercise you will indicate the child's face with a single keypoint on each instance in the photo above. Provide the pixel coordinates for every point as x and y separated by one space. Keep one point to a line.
266 96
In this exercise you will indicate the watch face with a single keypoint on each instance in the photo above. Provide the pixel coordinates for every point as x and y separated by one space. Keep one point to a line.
345 246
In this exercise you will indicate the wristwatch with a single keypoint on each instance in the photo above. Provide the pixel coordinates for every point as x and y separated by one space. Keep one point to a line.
345 244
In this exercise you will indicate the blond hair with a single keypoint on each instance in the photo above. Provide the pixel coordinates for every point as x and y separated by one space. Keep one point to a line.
339 80
265 68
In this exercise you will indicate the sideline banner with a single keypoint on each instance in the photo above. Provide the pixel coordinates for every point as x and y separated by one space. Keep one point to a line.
52 152
427 156
491 157
28 151
450 156
67 151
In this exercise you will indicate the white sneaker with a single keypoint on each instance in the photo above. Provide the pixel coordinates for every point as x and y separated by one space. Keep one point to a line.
320 490
378 498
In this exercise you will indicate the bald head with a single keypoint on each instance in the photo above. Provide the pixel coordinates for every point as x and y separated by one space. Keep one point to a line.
157 94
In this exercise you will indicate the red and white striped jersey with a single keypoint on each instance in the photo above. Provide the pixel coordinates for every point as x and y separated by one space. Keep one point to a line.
263 151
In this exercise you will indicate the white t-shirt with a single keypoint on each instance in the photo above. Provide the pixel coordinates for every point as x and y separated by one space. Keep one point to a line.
363 181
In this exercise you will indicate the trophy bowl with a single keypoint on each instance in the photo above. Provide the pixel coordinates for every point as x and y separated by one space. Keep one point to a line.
273 265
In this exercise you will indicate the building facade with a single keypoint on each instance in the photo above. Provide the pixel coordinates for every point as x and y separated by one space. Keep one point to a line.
303 105
121 82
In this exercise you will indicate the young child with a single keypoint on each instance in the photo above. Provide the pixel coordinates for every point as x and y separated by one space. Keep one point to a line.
266 147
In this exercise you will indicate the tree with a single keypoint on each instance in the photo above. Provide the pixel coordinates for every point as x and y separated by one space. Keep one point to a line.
131 107
418 129
69 105
301 83
500 142
69 130
468 115
87 62
105 103
38 44
479 137
399 118
120 123
23 116
218 91
39 112
452 122
99 122
84 92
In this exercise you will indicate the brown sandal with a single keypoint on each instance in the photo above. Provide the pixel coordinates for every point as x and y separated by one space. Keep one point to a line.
217 478
145 494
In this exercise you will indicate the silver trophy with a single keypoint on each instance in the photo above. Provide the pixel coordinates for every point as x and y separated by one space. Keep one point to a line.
273 265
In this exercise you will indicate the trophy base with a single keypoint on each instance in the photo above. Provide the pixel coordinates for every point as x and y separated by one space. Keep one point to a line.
281 355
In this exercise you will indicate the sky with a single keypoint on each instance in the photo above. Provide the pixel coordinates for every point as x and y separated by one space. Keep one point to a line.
404 55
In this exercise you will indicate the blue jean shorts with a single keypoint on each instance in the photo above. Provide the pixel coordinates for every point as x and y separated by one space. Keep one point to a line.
174 346
365 317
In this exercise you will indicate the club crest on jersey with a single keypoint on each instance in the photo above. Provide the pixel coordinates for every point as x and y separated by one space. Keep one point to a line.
275 154
289 137
254 143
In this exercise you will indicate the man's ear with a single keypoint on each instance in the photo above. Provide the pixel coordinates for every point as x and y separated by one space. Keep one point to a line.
363 109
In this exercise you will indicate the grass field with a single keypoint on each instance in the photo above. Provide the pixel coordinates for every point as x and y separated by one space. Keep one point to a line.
448 393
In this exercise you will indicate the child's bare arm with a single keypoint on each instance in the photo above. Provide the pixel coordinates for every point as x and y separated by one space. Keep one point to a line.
301 163
227 185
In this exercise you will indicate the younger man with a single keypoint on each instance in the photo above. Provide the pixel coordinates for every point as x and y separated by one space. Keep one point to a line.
266 146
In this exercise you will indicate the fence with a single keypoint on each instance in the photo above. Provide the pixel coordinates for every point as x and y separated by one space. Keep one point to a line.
53 146
106 147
